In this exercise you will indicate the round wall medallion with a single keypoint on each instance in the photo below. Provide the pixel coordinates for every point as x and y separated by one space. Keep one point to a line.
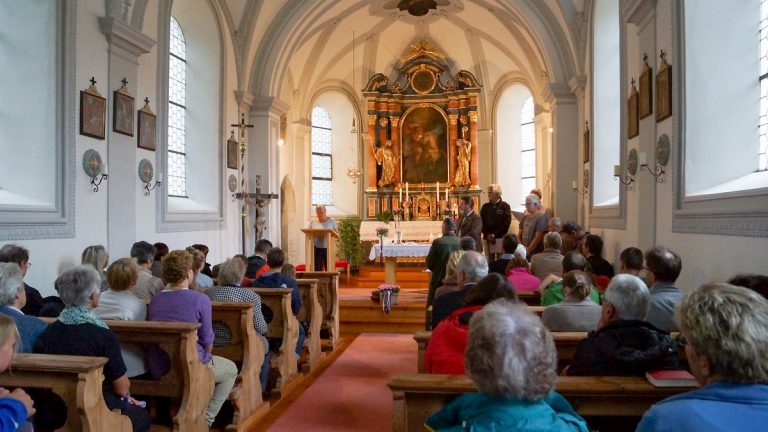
662 150
232 183
632 162
92 163
146 171
423 81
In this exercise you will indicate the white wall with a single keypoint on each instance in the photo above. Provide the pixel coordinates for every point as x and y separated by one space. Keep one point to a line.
52 256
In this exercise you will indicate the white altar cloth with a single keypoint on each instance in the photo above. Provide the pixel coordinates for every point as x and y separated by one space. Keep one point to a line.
392 250
412 230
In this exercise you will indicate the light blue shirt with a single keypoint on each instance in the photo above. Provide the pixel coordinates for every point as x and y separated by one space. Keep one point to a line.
329 224
203 281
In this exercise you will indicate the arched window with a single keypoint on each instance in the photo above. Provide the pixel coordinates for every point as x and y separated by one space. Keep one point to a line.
527 148
606 110
762 156
177 115
515 134
322 162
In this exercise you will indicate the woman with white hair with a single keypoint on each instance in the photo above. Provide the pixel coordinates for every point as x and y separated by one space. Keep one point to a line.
725 332
79 332
12 300
511 358
231 273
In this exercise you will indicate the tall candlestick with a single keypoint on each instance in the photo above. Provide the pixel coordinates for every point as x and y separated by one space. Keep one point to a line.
438 191
446 194
401 196
406 191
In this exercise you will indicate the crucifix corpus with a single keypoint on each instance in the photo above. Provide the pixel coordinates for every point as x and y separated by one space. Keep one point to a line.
258 200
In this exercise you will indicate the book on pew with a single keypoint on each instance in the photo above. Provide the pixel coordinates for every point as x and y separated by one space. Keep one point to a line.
671 378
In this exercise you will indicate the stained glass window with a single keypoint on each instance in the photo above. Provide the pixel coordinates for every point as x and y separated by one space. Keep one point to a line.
762 157
177 116
528 149
322 162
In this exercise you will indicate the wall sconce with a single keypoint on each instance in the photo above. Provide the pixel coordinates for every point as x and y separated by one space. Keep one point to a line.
95 168
583 192
657 172
625 180
145 175
283 129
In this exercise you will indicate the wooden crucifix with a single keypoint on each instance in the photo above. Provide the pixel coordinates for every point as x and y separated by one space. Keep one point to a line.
258 199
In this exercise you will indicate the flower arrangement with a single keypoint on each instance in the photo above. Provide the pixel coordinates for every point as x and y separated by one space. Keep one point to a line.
393 288
382 231
386 292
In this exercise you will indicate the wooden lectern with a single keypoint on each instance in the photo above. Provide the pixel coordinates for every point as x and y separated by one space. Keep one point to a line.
309 245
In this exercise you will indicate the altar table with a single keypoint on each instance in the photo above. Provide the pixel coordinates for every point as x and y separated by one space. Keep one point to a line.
412 230
392 251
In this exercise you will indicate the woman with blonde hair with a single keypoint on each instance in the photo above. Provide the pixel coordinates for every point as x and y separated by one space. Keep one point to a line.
97 257
577 312
120 303
15 406
450 282
724 329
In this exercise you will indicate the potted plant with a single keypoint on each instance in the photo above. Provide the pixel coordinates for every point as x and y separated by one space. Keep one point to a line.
349 242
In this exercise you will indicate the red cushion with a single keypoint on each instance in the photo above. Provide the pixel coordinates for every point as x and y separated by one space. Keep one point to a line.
342 263
301 267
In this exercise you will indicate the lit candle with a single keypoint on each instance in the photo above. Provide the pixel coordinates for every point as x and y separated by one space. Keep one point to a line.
617 170
446 194
406 191
438 191
104 169
401 194
642 159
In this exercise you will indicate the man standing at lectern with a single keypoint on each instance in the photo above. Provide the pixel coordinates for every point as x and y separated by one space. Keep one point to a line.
321 244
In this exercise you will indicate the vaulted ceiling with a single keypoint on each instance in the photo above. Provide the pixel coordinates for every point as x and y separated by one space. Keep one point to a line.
294 48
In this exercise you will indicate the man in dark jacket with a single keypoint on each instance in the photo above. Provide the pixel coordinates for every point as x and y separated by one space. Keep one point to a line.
496 216
437 258
20 255
273 278
470 223
624 343
257 263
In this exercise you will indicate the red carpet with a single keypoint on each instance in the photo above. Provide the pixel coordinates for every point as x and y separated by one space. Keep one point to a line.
352 394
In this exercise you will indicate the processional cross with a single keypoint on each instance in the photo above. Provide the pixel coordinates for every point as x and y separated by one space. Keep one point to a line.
258 199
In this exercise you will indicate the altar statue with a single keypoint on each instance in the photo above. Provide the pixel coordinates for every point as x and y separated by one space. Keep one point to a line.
462 168
386 159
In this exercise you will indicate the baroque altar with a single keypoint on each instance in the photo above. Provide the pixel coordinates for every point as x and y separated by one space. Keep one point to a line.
421 154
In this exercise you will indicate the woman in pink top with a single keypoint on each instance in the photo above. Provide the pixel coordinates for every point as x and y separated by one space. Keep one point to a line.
520 275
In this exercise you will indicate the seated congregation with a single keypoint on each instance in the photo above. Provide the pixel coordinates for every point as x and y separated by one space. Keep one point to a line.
594 326
175 334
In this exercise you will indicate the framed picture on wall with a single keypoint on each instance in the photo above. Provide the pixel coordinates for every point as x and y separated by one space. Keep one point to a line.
122 113
232 152
147 122
93 112
586 142
663 90
646 93
633 129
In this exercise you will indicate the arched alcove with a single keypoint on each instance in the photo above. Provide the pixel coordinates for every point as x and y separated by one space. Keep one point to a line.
509 142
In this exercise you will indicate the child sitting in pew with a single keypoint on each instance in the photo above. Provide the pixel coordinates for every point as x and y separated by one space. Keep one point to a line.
15 406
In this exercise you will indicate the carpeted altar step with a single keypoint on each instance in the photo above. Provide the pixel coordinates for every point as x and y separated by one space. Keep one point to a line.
365 316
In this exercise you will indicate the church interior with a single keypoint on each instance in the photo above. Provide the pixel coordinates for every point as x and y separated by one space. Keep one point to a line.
228 122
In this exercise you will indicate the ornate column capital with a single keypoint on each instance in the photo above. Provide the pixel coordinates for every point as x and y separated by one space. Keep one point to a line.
395 120
453 118
371 119
473 116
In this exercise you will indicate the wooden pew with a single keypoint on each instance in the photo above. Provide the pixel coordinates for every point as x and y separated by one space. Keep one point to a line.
246 348
188 379
77 381
417 396
531 298
328 295
312 313
284 325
